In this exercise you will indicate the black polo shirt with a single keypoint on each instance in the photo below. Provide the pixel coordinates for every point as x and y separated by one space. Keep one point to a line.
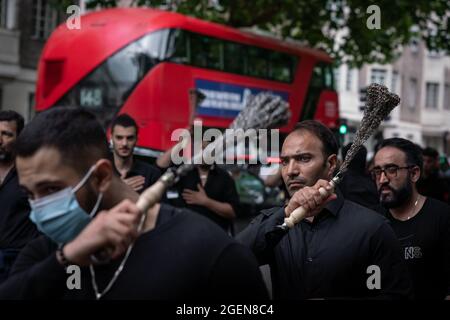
330 257
219 186
148 171
16 229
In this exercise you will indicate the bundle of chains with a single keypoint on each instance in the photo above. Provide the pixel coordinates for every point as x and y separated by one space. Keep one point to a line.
262 111
380 102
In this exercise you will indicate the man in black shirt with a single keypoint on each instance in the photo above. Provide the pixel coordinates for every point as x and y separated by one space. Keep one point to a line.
62 160
16 229
341 250
430 183
356 184
137 174
210 191
422 224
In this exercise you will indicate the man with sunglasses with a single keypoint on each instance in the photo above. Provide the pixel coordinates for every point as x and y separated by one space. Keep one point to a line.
421 224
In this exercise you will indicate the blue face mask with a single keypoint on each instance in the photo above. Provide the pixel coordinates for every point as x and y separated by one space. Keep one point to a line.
59 215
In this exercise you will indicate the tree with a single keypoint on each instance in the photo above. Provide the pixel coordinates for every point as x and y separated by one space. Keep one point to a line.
340 27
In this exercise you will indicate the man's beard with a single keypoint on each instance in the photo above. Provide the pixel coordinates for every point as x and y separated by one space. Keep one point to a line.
90 200
303 181
128 154
398 197
5 156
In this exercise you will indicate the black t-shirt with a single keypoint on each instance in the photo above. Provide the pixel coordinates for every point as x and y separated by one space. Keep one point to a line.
434 187
425 241
148 171
184 257
16 229
219 186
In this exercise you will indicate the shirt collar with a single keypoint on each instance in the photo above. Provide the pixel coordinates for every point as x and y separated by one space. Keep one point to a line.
135 165
11 173
136 168
335 206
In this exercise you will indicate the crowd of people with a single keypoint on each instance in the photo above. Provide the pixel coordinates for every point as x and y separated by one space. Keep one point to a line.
68 197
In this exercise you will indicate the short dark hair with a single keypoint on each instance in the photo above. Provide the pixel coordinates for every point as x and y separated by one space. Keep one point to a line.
10 115
412 151
430 152
125 121
325 135
74 132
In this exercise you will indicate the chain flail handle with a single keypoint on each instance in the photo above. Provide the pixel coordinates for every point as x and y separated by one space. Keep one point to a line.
300 213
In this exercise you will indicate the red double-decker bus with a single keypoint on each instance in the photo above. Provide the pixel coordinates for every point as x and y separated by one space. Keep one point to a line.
143 62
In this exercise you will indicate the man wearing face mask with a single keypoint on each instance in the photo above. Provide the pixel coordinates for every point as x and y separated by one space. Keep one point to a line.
86 210
421 224
16 229
208 190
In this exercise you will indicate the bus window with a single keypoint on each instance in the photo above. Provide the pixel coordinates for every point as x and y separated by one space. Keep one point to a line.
317 77
257 62
281 67
328 77
202 51
233 53
105 89
206 52
321 79
179 47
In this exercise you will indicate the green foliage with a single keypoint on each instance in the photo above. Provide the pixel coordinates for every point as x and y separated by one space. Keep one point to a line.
319 22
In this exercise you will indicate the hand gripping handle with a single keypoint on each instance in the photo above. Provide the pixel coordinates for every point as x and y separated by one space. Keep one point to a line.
300 213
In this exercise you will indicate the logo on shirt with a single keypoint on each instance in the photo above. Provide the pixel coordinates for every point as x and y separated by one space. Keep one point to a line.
413 253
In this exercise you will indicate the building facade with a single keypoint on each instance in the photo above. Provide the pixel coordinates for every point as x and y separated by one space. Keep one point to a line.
422 80
24 27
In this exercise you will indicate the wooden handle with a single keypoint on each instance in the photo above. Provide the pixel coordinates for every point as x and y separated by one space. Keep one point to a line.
146 200
300 213
151 196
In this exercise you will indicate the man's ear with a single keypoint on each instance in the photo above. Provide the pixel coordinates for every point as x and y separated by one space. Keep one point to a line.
331 165
103 174
415 174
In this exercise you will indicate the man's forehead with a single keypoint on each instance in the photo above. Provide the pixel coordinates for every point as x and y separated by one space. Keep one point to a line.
45 164
8 125
301 141
123 131
390 155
